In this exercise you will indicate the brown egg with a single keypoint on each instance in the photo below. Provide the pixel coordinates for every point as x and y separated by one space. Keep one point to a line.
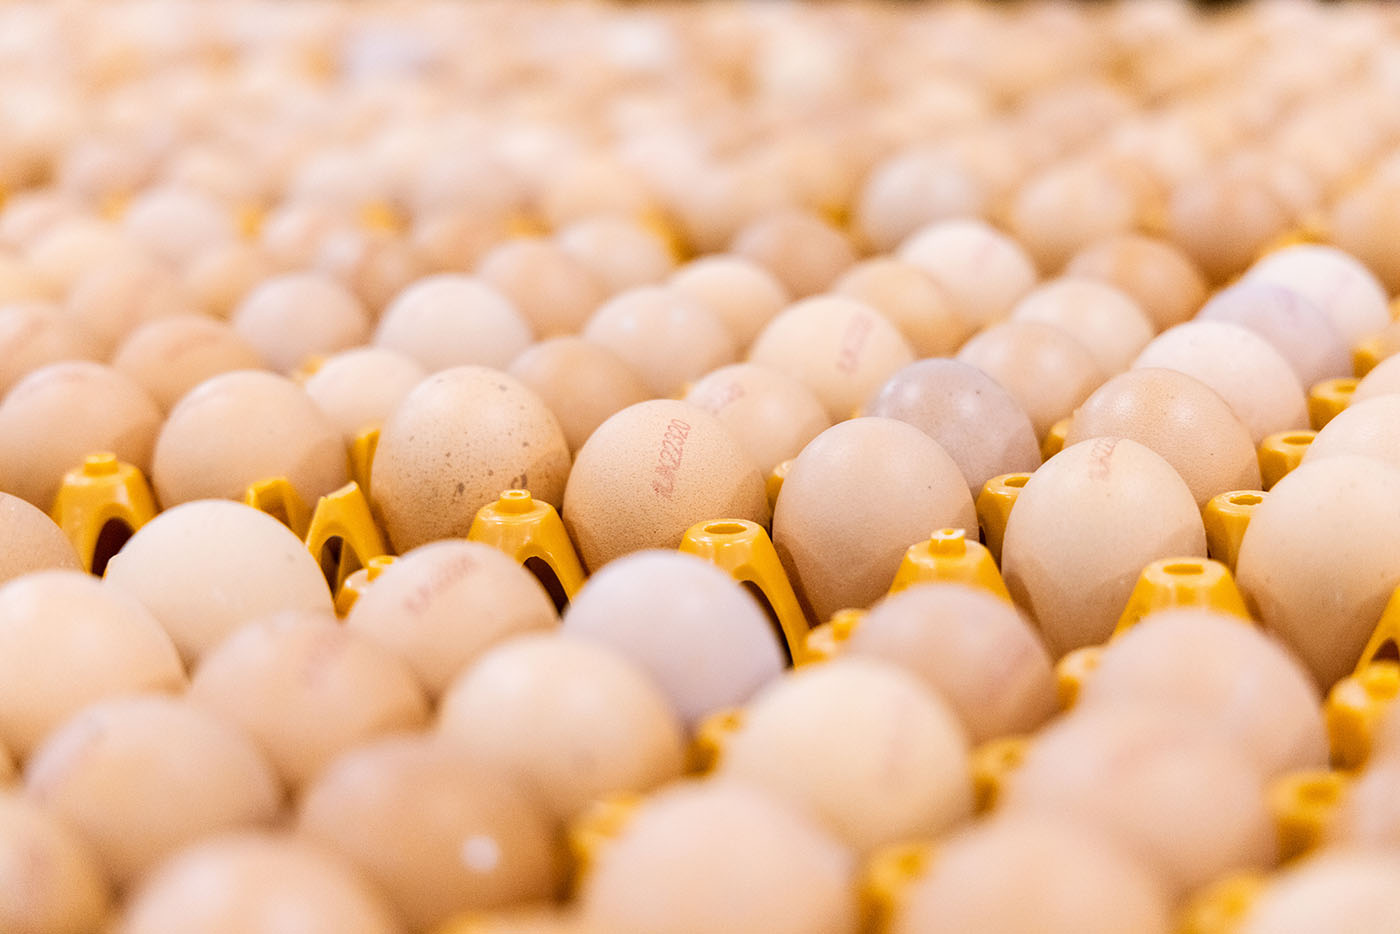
1157 275
1106 321
453 320
1257 382
771 414
716 856
306 689
1336 282
1179 418
969 647
1301 333
1365 222
652 471
666 338
257 883
1384 380
144 775
240 428
454 241
1335 890
1222 219
174 225
19 284
1084 527
1032 872
742 293
1366 428
31 541
432 830
621 254
910 299
220 278
203 568
59 414
1174 794
293 317
1068 205
570 720
170 356
117 294
582 382
454 443
1324 522
839 348
51 881
554 291
360 388
1045 370
982 271
912 188
854 501
978 423
32 336
804 252
440 606
73 248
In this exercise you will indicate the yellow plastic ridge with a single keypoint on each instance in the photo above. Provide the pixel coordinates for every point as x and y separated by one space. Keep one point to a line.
361 457
949 557
1303 805
1054 440
599 824
887 876
774 482
358 582
992 764
1226 518
278 498
1171 583
712 737
1280 453
345 516
527 529
994 508
1073 670
824 642
1223 906
102 491
1328 398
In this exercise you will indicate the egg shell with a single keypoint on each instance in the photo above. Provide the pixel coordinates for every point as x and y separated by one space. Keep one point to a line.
1297 329
176 224
450 320
73 249
1106 321
983 271
1222 219
582 383
1381 381
912 188
1339 890
115 295
803 251
1364 223
1068 205
374 265
1045 370
1366 429
292 233
1159 277
771 414
621 253
293 317
554 291
1366 814
170 356
31 541
910 300
740 292
667 338
220 278
52 880
34 335
1333 280
358 389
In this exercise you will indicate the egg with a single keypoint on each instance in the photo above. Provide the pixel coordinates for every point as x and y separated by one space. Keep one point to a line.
740 292
1221 219
554 291
1084 526
293 317
572 721
1068 205
1383 380
1364 223
218 279
911 301
59 414
431 830
251 883
292 233
975 421
31 541
856 498
52 882
141 776
1366 814
358 389
1157 275
176 224
1032 873
581 382
716 856
1336 890
1044 369
803 251
1106 321
1301 333
971 648
665 337
1179 418
699 635
913 187
1336 282
454 240
1324 522
375 265
454 443
441 605
116 294
649 473
771 414
981 270
32 336
1247 372
450 320
622 254
170 356
81 247
1365 428
202 568
240 428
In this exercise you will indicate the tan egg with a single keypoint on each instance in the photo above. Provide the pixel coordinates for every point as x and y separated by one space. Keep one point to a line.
621 254
554 291
572 721
32 336
29 214
220 278
1174 794
854 501
582 383
204 568
293 317
175 225
116 295
981 427
240 428
1045 370
1365 223
970 648
1084 527
1366 428
139 777
1032 872
1222 219
1247 372
306 689
804 252
1179 418
292 234
860 745
910 299
257 883
74 247
59 414
454 443
432 830
360 388
1336 282
440 606
51 881
454 241
771 414
1327 521
652 471
451 320
590 186
170 356
1106 321
18 283
1366 814
915 187
1295 327
1351 890
1069 205
1157 275
742 293
373 265
31 541
982 271
717 856
839 348
1384 380
666 338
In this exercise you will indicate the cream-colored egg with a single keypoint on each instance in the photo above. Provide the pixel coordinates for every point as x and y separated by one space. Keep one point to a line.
454 443
742 293
983 271
554 291
1106 321
1352 890
117 294
360 388
1159 277
1288 320
18 283
293 317
141 776
374 265
170 356
1069 205
31 541
770 413
582 383
913 188
175 225
667 338
1367 814
911 300
970 648
432 830
219 279
699 635
440 606
1384 380
32 336
1222 219
291 234
452 320
621 254
1366 428
803 251
1045 370
72 249
51 880
1364 223
454 241
1336 282
1084 527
